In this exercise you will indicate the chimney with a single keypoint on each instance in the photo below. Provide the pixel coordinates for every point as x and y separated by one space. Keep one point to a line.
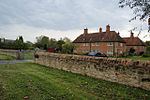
132 34
107 28
118 33
100 30
86 31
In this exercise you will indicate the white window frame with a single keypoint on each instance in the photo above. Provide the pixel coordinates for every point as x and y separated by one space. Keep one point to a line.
93 44
87 44
120 52
108 52
135 47
121 44
109 43
87 51
96 50
83 44
97 44
84 51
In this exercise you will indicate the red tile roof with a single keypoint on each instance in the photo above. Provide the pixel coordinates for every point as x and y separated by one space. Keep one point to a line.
134 41
110 36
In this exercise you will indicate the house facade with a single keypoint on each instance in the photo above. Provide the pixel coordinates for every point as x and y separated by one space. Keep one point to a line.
108 42
135 44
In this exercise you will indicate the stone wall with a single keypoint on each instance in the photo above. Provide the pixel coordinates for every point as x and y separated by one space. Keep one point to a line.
124 71
13 53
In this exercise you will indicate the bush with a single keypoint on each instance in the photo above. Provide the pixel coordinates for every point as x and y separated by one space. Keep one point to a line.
146 55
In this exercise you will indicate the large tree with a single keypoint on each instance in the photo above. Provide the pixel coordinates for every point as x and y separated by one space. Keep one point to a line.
42 42
141 8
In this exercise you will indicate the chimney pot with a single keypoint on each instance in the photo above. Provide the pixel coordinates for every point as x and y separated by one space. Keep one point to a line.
107 28
100 30
86 31
132 34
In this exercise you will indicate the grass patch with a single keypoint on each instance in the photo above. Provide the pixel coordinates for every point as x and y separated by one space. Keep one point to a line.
6 57
42 83
29 55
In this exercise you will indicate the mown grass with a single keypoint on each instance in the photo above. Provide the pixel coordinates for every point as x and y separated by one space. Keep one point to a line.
38 82
6 57
29 55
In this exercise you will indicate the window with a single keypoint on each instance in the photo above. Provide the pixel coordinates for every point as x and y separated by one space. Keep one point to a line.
83 44
93 44
134 47
121 44
120 52
75 51
110 44
97 44
97 50
117 44
84 51
87 51
87 44
109 52
93 50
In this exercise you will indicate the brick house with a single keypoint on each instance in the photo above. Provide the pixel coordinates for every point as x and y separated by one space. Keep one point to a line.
108 42
135 43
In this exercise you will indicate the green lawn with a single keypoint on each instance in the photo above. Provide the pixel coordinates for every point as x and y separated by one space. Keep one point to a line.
38 82
29 55
137 58
6 57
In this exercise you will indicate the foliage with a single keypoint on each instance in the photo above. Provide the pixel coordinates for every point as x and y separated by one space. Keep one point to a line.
147 43
18 44
20 80
148 50
68 46
141 8
42 42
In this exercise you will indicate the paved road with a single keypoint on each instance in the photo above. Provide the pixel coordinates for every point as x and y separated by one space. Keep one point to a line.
14 61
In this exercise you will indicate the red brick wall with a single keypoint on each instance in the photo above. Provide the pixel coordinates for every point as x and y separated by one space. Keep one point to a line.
102 47
138 49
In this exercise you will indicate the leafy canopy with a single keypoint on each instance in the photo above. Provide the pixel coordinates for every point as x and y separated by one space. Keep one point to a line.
141 8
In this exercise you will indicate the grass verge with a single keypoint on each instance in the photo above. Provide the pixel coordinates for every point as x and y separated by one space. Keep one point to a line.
36 82
6 57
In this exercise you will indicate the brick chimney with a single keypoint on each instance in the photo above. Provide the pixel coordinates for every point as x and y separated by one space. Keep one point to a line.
86 31
132 35
107 28
100 30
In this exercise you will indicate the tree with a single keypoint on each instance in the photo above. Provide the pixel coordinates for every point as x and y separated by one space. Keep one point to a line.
141 8
68 47
42 42
52 43
19 44
59 44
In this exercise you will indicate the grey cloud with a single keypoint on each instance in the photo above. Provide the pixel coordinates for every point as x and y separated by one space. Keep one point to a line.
59 14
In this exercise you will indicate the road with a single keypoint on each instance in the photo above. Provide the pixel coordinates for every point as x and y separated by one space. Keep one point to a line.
14 61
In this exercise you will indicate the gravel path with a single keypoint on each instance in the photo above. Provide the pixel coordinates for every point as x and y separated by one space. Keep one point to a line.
14 61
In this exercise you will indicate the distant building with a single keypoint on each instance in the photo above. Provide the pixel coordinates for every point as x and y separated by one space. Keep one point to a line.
135 43
3 40
108 42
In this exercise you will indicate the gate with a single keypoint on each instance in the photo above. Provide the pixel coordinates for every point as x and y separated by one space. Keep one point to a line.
26 55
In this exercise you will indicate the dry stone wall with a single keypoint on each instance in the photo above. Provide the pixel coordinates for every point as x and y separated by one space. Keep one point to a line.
13 53
135 73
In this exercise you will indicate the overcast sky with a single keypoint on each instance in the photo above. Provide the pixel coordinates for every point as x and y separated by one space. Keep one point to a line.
64 18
